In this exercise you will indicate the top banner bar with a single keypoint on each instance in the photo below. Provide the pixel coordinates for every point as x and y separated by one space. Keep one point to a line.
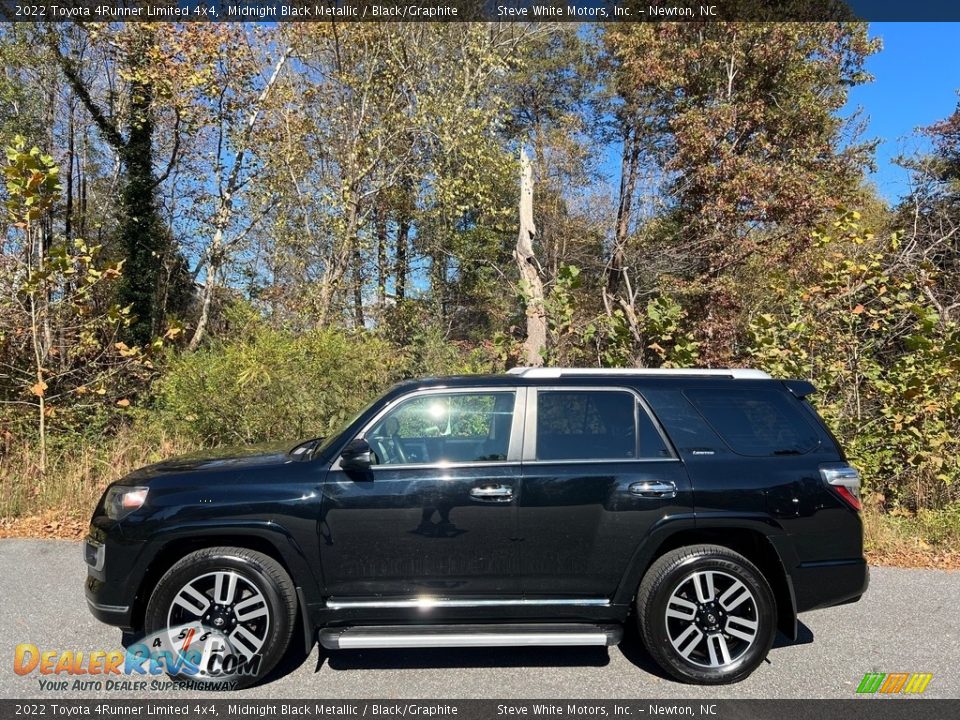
477 10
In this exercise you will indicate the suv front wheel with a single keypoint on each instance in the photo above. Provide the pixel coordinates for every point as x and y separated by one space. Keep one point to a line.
223 616
706 614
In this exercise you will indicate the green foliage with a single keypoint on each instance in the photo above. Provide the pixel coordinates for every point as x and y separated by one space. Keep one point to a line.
377 190
886 365
564 339
33 182
606 339
742 122
427 350
673 344
903 538
610 337
274 385
63 369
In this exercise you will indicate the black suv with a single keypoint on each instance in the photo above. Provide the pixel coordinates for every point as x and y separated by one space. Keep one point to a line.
541 507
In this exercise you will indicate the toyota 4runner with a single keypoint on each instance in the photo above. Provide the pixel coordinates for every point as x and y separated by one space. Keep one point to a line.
542 507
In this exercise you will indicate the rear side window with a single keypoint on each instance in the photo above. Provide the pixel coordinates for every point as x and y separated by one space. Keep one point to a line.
594 425
756 422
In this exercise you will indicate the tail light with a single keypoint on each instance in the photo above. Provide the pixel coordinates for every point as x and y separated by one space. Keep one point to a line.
845 481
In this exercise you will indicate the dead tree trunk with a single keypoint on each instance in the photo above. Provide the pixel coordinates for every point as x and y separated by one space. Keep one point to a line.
532 286
216 253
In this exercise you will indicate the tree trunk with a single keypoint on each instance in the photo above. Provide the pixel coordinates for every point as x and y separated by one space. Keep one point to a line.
358 318
143 235
381 228
438 282
618 293
82 182
209 289
628 186
68 212
535 344
39 390
338 263
401 262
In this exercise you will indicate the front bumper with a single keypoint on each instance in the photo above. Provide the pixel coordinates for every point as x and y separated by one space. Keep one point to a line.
119 615
110 587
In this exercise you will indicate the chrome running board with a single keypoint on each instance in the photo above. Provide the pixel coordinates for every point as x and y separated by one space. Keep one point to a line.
438 636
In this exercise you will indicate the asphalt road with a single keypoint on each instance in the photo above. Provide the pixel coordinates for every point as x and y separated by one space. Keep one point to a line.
909 621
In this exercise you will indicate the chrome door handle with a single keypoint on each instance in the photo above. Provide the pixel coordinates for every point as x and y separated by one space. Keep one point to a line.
655 489
492 493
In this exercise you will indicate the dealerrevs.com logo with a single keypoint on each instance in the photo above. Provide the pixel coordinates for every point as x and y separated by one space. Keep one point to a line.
192 659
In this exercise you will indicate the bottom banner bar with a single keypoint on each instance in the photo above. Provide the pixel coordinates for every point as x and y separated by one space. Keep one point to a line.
873 708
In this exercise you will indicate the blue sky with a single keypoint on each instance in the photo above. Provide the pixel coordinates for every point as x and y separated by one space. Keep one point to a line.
917 75
916 78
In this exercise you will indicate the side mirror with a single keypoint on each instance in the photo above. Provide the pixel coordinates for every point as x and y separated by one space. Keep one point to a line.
357 456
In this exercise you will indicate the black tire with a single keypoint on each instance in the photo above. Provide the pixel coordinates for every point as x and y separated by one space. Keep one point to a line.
254 571
683 581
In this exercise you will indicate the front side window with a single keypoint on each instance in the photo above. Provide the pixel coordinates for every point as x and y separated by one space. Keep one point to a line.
445 428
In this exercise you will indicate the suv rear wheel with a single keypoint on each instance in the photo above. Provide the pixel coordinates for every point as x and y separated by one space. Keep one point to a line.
706 614
222 615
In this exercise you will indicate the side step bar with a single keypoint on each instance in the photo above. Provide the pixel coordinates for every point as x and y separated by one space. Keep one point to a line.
436 636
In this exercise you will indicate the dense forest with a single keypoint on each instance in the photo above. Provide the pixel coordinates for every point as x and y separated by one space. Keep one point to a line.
224 234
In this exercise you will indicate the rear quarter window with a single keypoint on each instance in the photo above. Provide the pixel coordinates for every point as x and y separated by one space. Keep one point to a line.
758 423
690 433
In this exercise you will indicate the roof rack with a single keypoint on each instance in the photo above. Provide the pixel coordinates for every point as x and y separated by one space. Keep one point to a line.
736 373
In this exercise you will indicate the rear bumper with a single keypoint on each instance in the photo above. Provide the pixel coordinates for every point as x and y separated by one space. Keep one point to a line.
833 582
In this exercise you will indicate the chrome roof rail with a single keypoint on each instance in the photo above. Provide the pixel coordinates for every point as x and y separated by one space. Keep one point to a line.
735 373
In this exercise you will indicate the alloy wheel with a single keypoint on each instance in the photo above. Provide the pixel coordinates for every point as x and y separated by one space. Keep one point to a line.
712 619
222 611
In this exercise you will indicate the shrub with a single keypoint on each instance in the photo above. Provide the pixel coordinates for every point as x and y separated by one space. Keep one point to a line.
886 365
272 385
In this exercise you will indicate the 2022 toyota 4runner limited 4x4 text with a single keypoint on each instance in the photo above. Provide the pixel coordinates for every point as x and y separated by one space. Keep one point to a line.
541 507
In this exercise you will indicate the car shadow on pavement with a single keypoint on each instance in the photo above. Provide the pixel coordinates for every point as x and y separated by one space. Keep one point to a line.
633 650
631 646
446 658
804 637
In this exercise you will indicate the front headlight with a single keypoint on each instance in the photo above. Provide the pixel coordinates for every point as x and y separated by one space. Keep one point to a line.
122 500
